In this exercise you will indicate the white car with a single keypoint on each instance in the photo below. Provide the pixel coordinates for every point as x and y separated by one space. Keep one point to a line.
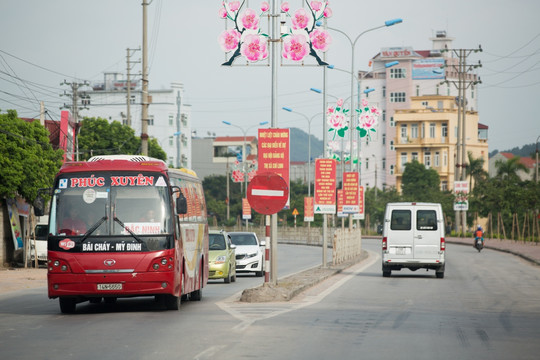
249 254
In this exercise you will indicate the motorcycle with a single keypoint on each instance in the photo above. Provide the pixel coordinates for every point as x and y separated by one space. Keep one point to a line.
478 244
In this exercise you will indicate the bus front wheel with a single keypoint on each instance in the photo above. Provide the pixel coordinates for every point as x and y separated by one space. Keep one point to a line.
67 305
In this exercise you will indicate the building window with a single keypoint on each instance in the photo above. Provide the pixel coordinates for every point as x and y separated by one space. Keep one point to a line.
367 163
383 139
392 124
436 159
444 130
403 160
397 97
417 90
391 169
414 131
414 156
445 158
403 133
384 91
384 115
448 90
391 145
399 73
437 89
432 130
171 140
171 120
150 120
132 99
384 163
444 185
423 130
427 159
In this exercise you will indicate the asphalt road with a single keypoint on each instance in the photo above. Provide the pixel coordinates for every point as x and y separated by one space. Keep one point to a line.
486 307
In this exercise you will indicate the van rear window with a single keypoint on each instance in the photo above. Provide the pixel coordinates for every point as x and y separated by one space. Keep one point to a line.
401 220
426 220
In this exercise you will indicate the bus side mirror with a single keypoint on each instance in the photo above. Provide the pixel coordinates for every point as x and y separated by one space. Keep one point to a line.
39 206
181 204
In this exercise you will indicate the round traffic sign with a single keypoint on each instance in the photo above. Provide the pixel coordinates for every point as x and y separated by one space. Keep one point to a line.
268 193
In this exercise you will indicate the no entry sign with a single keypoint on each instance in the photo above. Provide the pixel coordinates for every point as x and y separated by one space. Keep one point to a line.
268 193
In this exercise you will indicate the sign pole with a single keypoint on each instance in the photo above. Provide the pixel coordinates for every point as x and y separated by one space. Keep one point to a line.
267 250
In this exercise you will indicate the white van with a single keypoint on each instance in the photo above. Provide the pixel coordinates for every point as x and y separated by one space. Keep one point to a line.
39 246
413 237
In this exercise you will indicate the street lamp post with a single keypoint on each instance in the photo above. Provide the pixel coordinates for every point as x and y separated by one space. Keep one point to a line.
244 156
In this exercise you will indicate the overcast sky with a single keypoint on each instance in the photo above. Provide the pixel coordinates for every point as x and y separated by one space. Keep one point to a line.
45 42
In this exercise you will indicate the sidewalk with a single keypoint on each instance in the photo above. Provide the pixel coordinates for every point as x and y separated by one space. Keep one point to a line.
527 250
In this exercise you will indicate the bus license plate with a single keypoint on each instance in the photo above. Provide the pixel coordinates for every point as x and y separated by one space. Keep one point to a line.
109 286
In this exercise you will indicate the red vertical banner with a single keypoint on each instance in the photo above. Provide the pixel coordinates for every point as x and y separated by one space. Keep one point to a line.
246 209
360 214
309 214
340 213
274 152
325 186
350 192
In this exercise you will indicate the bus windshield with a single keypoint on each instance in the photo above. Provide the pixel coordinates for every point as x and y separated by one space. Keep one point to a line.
111 204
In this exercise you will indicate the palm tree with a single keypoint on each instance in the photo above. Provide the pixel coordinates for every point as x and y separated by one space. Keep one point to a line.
475 170
508 169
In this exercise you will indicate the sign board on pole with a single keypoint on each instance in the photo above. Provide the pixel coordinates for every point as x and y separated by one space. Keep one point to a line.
360 214
325 186
461 193
268 193
246 209
340 212
309 214
274 153
350 193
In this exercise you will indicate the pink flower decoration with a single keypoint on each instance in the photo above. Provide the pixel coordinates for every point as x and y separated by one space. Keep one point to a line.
265 6
320 39
368 121
254 48
295 47
364 102
339 102
234 6
285 7
300 20
330 110
229 40
222 13
316 5
250 20
336 121
327 12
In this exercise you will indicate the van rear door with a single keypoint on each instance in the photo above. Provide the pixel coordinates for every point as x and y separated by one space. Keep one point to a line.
426 233
400 236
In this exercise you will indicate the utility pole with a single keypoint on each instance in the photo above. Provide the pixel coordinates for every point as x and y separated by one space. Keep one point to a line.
463 83
128 68
74 107
144 107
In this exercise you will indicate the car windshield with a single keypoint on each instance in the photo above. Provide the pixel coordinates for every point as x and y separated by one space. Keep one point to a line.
216 242
243 239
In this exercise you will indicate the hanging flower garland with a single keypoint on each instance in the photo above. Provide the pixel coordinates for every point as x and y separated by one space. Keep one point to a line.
247 39
368 119
336 118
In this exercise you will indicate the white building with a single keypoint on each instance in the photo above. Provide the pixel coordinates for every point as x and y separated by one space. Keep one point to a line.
169 116
418 73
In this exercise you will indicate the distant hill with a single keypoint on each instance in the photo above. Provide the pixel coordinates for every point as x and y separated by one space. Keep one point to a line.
528 151
300 146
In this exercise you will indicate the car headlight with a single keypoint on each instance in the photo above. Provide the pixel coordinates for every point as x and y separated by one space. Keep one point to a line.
252 255
220 259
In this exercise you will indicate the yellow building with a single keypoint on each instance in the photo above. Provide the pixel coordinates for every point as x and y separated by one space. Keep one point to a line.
428 132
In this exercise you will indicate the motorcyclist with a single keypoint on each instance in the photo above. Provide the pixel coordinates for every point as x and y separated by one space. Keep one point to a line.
479 234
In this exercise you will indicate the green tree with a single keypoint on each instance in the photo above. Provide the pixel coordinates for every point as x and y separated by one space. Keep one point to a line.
27 159
475 170
508 169
99 137
419 183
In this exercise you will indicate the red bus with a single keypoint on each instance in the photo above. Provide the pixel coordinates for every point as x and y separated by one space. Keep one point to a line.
124 226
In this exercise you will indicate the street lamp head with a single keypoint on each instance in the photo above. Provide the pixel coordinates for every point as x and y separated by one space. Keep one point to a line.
367 91
393 22
177 133
263 123
226 122
318 23
318 91
330 66
391 63
287 109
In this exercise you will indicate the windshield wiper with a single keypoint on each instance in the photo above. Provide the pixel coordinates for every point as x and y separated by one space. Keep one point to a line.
129 230
94 227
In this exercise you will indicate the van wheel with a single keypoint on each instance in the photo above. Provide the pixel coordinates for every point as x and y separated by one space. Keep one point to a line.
386 272
439 274
67 305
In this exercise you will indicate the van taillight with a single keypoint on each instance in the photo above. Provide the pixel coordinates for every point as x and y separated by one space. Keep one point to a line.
384 243
443 244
